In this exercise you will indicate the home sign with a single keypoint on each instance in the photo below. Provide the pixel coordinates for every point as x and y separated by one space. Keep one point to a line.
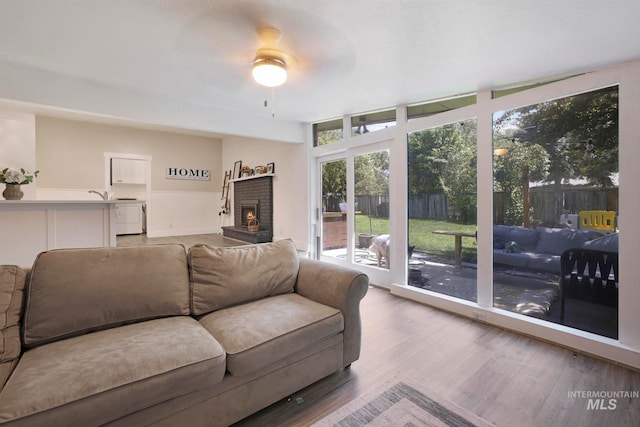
187 173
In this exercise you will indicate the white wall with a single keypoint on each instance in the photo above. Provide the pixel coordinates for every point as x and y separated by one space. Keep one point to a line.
290 183
70 156
71 159
178 213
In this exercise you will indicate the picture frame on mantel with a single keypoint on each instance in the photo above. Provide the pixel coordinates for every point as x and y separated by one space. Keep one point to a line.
271 167
236 169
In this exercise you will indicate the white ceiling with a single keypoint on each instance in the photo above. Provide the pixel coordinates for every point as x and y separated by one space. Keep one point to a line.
187 63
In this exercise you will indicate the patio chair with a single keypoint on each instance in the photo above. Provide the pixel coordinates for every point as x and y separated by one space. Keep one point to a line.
591 277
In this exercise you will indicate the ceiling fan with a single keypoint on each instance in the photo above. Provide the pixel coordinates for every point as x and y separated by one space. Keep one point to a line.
270 63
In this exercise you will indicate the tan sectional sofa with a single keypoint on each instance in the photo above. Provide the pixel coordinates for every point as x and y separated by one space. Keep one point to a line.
159 335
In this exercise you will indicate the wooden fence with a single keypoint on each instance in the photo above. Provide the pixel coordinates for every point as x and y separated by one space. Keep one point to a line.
546 203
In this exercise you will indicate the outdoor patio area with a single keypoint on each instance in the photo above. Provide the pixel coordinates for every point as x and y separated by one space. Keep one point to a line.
533 294
522 292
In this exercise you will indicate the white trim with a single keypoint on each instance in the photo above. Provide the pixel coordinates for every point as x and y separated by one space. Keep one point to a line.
629 205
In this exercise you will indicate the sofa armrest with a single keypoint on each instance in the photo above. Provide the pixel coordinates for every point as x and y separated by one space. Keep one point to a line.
338 287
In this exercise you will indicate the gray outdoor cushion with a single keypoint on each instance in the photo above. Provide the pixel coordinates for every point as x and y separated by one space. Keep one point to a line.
545 262
513 259
555 241
526 238
608 243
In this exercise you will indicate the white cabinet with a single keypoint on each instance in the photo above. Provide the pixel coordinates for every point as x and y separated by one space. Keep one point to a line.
128 218
128 171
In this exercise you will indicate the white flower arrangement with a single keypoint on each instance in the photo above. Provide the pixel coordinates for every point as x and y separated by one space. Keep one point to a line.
14 176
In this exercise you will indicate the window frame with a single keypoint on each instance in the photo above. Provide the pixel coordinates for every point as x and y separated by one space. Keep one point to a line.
627 77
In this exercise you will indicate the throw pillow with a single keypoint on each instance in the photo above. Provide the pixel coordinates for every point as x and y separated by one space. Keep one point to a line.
511 247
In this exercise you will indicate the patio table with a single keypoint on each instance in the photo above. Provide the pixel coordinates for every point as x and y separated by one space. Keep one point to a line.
458 235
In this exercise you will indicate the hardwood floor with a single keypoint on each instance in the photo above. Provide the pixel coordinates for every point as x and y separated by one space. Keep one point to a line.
503 377
506 378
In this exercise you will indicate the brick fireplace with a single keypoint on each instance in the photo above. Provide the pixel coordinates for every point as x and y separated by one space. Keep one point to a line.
252 195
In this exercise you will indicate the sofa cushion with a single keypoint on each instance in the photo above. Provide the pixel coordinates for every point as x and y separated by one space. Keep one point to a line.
555 241
514 259
102 376
11 292
545 262
222 277
526 238
258 334
73 291
608 243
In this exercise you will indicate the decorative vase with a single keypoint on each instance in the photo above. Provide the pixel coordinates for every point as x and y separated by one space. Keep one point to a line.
12 192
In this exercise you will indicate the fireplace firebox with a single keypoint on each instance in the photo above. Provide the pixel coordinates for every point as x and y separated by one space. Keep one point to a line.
248 210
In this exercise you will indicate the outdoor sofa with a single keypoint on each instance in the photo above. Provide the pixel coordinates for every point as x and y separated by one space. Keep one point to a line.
159 335
540 249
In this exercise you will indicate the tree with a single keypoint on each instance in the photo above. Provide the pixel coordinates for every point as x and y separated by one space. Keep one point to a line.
372 173
514 165
334 184
579 136
443 160
427 157
579 133
334 174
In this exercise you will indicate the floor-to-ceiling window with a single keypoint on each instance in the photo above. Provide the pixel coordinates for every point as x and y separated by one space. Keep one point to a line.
547 168
442 209
555 172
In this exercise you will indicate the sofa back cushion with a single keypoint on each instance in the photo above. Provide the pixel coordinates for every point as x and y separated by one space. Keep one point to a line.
526 238
222 277
74 291
607 243
12 280
555 241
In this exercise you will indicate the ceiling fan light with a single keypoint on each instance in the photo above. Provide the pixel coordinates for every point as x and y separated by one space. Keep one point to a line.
270 72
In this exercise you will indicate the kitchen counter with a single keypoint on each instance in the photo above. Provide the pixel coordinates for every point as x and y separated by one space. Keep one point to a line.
28 227
69 202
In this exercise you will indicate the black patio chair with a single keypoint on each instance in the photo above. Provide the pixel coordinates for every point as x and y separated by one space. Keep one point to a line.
591 276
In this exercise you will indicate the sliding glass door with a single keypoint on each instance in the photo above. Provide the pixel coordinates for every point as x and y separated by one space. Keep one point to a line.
333 232
372 238
355 208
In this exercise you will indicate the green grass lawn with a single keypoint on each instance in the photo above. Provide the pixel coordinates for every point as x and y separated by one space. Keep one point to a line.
421 236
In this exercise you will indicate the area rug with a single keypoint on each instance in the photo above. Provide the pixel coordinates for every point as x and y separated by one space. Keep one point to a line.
401 403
